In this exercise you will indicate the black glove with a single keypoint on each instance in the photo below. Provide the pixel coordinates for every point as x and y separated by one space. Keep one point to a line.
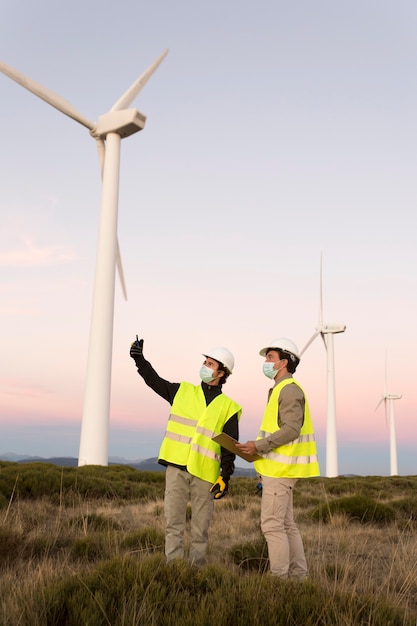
220 487
136 349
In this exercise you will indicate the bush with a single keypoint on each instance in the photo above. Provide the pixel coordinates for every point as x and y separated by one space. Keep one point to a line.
408 506
252 555
148 539
10 542
67 558
16 546
359 508
89 549
150 592
93 521
30 481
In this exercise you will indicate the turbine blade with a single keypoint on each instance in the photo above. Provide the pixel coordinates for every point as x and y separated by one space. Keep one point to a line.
46 94
310 341
324 340
101 151
128 97
379 403
120 269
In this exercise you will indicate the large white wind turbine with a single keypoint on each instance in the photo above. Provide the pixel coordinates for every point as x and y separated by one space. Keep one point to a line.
327 332
388 399
119 122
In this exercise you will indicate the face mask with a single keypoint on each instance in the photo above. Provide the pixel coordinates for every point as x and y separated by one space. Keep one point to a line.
206 374
268 369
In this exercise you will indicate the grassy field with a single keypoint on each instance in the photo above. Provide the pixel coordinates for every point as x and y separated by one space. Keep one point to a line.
84 547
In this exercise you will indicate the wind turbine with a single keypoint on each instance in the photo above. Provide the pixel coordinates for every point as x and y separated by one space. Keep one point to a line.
119 122
328 330
388 398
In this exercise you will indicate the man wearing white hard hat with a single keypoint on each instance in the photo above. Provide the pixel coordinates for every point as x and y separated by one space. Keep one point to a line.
197 468
288 449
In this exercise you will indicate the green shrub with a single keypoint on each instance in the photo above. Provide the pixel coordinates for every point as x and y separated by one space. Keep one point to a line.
65 484
148 539
359 508
408 506
252 555
89 549
10 543
150 592
242 486
37 480
16 546
93 522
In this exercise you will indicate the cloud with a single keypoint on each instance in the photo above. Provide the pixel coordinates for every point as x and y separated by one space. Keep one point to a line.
19 311
29 254
12 387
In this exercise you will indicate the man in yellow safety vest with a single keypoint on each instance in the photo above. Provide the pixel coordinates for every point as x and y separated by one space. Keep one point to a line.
197 468
287 446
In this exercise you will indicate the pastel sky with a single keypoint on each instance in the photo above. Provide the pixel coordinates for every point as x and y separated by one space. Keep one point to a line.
276 132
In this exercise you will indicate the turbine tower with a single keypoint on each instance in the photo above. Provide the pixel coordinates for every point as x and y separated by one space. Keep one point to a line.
328 331
119 122
388 399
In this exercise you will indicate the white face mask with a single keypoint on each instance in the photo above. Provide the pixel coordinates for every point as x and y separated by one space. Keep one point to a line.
206 374
268 369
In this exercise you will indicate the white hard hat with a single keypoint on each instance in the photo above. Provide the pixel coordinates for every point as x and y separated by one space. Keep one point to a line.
282 344
223 356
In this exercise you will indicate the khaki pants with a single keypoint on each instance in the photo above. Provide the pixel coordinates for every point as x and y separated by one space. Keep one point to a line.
181 488
285 546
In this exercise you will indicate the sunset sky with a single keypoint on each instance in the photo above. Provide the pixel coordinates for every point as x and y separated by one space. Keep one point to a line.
277 132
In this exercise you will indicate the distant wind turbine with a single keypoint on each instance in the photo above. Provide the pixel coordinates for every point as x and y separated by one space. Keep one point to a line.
388 398
328 330
119 122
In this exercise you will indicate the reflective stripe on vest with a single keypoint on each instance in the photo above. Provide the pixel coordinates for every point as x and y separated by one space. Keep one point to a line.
191 426
297 459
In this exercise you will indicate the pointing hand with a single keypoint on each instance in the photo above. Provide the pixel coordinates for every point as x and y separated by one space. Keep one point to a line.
136 350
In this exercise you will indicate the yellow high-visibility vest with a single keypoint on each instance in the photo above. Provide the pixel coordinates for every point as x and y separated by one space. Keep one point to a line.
297 459
191 426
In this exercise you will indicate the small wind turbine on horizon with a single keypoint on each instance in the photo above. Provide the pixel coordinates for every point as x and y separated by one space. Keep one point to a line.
328 330
388 398
119 122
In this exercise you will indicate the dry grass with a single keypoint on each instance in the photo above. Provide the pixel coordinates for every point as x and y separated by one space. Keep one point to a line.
41 542
342 555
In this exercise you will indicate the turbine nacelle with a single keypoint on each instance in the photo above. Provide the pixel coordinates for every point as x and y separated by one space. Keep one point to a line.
388 396
326 329
125 123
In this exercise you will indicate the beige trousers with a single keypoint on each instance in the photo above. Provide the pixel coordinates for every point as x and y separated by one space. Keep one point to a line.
181 488
285 546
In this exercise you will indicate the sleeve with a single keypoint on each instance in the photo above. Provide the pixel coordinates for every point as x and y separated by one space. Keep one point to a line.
290 416
227 463
162 387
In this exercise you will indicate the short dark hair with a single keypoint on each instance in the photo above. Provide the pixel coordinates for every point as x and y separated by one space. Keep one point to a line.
293 360
223 368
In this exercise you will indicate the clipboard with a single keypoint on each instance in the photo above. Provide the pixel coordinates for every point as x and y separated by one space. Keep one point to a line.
230 444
